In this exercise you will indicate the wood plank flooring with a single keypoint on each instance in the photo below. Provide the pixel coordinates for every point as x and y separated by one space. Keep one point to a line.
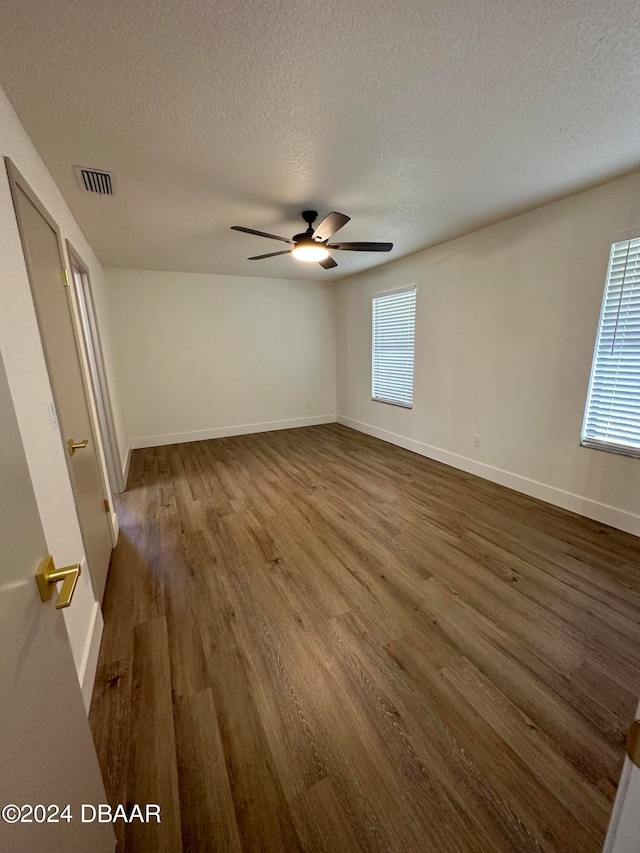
316 641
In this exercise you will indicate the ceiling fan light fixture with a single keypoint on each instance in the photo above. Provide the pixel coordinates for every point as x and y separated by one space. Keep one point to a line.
310 252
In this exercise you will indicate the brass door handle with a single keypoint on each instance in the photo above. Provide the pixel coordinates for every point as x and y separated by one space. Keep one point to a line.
76 445
47 576
633 742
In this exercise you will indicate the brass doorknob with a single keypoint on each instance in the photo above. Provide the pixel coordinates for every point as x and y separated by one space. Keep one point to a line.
76 445
48 576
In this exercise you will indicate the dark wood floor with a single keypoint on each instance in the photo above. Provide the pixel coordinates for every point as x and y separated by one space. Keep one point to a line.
317 641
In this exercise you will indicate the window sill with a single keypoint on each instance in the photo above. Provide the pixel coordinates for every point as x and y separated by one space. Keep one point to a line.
392 403
620 449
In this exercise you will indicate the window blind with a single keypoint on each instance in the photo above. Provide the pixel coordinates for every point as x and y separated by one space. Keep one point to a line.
393 335
612 417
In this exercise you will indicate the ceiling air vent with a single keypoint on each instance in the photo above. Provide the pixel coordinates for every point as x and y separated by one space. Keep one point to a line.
96 181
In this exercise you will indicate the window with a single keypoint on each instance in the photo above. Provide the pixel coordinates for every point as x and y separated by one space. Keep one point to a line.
612 417
393 333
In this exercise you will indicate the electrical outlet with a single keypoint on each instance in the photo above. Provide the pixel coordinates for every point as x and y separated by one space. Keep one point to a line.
308 404
476 440
287 408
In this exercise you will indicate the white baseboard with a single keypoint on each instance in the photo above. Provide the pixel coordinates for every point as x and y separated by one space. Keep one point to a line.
127 465
604 513
224 432
89 664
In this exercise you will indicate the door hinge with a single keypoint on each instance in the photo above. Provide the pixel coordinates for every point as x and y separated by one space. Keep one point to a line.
65 277
107 508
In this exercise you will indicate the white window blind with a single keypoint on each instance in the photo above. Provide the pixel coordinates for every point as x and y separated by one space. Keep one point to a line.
394 323
612 417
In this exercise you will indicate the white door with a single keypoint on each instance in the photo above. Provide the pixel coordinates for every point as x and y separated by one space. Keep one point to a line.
99 381
52 299
47 757
624 830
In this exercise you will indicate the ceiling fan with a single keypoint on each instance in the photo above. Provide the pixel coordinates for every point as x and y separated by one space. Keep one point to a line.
313 244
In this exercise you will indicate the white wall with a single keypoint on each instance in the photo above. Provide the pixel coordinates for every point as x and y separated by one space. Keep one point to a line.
29 382
201 356
505 330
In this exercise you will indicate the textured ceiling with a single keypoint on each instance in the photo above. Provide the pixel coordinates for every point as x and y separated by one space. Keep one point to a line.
420 120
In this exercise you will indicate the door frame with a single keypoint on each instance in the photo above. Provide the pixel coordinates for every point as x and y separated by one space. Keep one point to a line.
17 181
95 362
623 823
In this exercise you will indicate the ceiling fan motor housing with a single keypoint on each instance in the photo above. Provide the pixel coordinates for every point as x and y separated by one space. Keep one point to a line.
305 237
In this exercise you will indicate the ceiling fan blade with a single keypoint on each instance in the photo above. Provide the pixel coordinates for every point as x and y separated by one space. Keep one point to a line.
329 225
361 247
260 233
328 263
270 255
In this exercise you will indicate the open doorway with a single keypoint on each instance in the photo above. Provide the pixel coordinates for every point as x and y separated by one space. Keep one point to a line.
99 383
